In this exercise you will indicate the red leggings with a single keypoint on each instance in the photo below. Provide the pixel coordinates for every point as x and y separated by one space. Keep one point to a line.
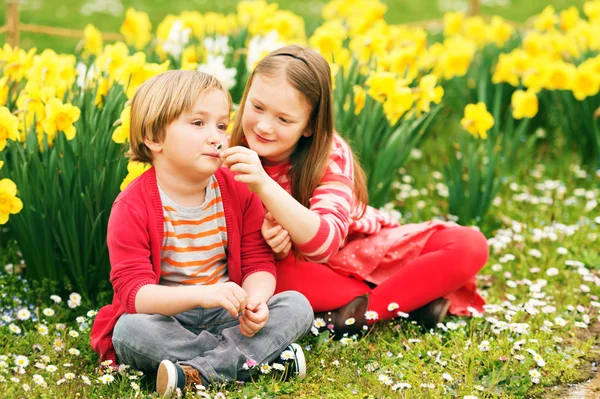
450 258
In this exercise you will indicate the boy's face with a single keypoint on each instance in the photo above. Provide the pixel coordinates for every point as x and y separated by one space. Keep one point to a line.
189 148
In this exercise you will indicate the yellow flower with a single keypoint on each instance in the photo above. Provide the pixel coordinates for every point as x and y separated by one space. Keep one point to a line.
60 117
569 18
402 60
559 76
112 58
31 101
9 127
360 96
381 85
524 104
52 70
4 90
288 25
592 10
586 82
546 20
134 170
456 57
477 120
9 203
453 23
16 61
121 133
476 30
103 85
505 71
428 92
328 38
398 102
92 39
371 44
136 28
500 31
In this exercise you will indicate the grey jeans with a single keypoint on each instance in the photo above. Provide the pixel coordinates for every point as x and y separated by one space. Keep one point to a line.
210 339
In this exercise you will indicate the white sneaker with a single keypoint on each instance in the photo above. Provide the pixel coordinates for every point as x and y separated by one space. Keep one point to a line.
295 362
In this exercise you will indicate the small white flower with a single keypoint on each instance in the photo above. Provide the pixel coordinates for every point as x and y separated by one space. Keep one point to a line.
70 376
385 379
447 377
51 368
42 329
105 379
287 355
73 333
319 322
48 312
553 271
23 314
484 346
56 298
403 315
371 315
562 250
21 361
536 253
13 328
392 306
265 368
401 385
584 288
278 366
74 351
38 379
350 321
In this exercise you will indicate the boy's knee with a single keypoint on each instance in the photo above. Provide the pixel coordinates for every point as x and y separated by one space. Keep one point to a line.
297 305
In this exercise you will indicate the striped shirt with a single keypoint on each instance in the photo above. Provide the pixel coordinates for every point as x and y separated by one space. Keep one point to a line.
335 203
194 249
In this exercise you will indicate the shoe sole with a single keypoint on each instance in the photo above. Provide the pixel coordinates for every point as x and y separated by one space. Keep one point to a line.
166 373
299 354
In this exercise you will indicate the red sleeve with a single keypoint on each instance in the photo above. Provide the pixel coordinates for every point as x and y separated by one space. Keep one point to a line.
128 243
256 254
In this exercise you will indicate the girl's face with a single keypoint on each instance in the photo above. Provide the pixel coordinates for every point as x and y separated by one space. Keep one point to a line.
275 117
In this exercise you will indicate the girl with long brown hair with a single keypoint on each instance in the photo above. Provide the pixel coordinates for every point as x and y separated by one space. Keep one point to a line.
353 263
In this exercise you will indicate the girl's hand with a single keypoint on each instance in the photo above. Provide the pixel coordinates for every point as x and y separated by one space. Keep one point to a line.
276 236
247 164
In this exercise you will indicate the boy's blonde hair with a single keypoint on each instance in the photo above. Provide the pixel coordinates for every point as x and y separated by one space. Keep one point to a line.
161 100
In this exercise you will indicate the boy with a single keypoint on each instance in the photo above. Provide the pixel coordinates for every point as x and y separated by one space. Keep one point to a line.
193 278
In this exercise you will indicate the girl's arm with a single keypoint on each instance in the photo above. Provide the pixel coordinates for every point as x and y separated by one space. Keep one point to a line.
317 232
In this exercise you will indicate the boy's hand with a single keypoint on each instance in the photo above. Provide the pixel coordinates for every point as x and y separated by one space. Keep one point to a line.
254 319
247 165
229 296
276 236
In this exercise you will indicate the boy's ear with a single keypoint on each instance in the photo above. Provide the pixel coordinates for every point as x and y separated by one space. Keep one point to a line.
154 146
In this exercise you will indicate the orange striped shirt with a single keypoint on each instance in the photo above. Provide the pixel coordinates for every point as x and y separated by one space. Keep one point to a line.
194 249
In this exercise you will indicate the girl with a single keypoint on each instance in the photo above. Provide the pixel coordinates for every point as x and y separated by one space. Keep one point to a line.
347 257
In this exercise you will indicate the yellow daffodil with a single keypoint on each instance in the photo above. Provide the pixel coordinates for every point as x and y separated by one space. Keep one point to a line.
121 133
360 96
31 101
103 85
9 203
328 38
546 20
16 61
453 23
136 28
398 102
559 76
4 88
134 170
524 104
9 127
476 29
477 120
402 60
592 10
586 82
92 40
60 117
505 71
112 58
569 18
500 31
456 57
381 85
428 93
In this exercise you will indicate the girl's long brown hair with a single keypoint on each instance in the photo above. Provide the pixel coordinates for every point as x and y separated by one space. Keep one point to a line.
309 73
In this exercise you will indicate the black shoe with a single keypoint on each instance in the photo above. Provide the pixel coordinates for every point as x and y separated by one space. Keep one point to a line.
431 314
294 362
348 319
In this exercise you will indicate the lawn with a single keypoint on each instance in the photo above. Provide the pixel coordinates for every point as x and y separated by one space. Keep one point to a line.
108 15
539 330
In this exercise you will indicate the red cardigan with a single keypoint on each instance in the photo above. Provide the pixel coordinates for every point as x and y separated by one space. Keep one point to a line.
135 236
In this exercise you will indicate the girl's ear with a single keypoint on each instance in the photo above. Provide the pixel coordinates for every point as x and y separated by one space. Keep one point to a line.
308 132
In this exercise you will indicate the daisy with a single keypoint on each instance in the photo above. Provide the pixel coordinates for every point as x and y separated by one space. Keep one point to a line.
48 312
106 379
385 379
371 315
23 314
392 306
21 361
265 368
287 355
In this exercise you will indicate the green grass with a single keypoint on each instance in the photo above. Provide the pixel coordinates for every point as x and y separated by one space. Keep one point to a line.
543 224
67 14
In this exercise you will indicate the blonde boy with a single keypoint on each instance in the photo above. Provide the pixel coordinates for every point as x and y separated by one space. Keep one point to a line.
193 279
